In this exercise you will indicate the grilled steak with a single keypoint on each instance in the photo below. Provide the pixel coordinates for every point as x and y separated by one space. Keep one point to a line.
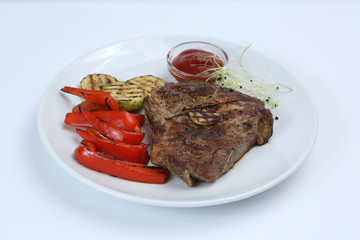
201 130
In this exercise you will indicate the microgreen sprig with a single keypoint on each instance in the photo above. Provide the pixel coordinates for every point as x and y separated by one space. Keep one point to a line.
245 81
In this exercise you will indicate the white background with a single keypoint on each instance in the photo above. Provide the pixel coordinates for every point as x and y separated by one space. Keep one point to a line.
318 41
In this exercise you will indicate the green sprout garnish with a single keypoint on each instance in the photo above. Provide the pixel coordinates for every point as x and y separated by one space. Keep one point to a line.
215 59
247 82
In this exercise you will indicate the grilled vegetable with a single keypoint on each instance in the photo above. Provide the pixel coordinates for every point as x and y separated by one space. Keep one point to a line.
132 153
147 82
128 96
120 119
204 117
96 81
90 106
112 132
87 155
96 96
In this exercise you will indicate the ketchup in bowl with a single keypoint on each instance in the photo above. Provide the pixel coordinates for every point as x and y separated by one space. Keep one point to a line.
196 61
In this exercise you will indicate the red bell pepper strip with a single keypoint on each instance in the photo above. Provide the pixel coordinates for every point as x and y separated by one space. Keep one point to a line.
90 106
120 119
112 132
139 117
93 131
95 96
127 152
76 119
86 155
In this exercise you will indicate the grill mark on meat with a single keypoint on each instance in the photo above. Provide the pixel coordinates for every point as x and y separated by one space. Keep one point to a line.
201 91
247 125
206 133
209 105
228 115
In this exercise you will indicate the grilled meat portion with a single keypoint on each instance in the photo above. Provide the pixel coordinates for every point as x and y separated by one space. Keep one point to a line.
200 130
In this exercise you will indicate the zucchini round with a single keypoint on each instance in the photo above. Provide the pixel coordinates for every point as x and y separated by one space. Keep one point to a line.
147 82
128 96
96 81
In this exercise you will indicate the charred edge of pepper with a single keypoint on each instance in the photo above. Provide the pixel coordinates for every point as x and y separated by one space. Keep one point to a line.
86 146
101 120
65 91
80 110
107 104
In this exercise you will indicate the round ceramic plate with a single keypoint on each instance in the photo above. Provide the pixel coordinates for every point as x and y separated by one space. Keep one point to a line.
260 169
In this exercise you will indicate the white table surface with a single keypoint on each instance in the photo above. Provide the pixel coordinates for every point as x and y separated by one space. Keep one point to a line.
318 41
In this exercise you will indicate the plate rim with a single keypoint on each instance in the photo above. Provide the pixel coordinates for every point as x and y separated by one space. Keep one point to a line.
170 203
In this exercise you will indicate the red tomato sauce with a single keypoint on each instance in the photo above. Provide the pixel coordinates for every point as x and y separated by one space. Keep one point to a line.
197 64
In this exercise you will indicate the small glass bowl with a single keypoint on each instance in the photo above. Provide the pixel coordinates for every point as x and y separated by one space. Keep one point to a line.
184 76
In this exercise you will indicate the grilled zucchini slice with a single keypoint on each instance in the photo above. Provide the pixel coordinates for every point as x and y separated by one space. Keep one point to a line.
97 81
204 117
128 96
147 82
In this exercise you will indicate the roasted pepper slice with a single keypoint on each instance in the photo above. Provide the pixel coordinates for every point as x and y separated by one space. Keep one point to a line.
120 119
90 106
94 96
139 117
86 155
131 153
112 132
94 132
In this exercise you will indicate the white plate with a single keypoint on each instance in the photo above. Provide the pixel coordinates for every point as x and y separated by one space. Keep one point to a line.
260 169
